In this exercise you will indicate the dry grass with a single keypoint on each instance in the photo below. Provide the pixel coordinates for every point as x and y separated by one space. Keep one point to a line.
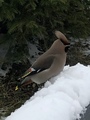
11 99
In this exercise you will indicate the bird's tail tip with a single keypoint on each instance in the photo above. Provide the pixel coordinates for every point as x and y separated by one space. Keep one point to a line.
16 88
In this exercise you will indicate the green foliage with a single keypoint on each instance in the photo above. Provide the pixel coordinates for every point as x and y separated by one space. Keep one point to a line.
26 19
77 21
34 16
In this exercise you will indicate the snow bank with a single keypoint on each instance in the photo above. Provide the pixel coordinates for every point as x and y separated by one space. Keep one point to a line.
64 97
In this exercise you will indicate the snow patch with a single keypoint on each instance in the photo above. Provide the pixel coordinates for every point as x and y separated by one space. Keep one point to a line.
63 97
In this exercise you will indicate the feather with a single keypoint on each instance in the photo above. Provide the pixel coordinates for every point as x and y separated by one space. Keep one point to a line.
30 71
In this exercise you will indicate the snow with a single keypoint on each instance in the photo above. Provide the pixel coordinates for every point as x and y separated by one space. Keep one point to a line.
33 51
64 97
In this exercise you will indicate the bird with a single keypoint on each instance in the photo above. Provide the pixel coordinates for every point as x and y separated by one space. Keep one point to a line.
49 64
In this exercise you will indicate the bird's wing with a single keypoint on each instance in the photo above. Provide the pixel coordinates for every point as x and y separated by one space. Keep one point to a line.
39 65
30 71
43 62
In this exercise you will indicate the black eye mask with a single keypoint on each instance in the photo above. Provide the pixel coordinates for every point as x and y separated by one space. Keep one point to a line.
67 48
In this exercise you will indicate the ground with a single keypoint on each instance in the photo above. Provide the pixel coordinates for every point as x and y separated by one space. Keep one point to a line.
11 99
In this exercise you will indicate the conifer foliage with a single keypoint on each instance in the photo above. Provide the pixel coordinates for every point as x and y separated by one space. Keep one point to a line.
23 20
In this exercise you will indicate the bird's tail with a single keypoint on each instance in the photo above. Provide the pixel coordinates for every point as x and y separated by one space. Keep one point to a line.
62 37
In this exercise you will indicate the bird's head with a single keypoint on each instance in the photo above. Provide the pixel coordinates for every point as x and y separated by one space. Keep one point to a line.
63 39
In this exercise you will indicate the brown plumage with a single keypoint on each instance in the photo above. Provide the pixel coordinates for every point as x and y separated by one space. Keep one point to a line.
49 64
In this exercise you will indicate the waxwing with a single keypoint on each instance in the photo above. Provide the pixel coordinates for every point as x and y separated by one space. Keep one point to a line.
49 64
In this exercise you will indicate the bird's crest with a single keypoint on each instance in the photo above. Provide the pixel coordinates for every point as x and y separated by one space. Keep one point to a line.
62 37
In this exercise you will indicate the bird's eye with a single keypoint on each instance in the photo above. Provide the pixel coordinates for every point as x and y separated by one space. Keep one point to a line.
67 48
